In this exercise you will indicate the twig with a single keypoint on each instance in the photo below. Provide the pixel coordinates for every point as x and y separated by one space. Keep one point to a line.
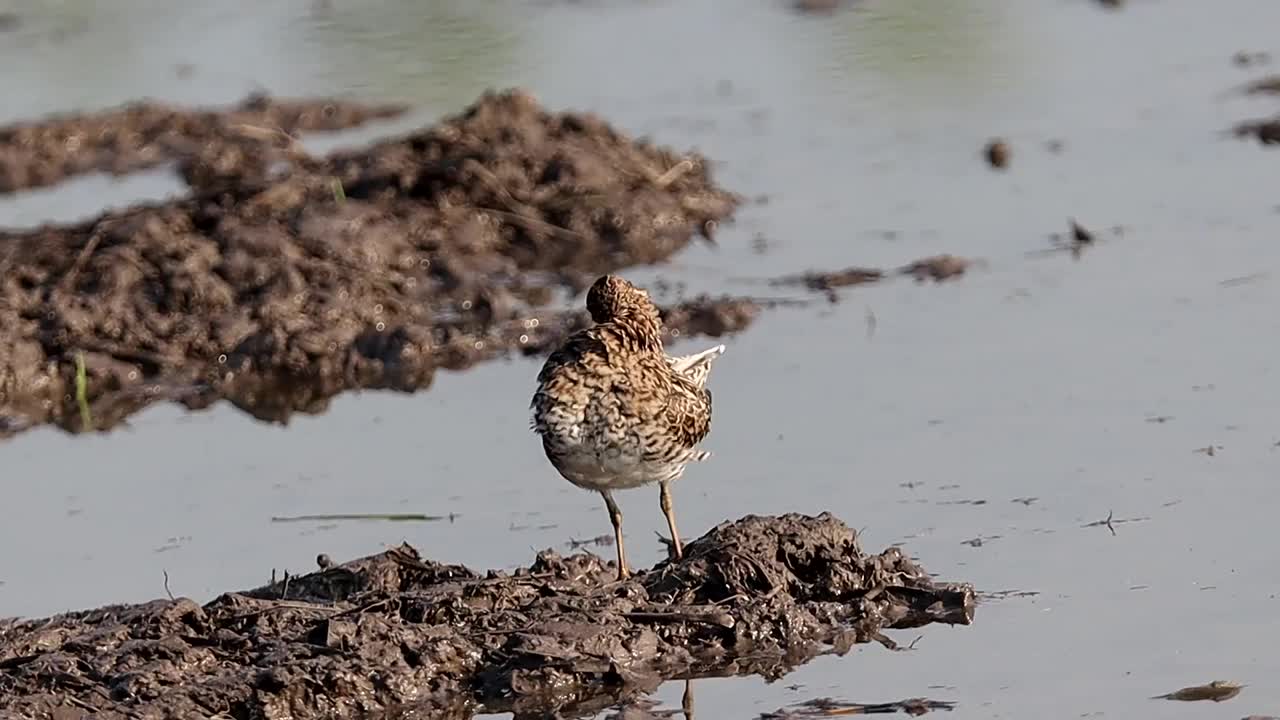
533 225
675 173
494 184
275 137
167 591
722 619
395 517
129 354
363 608
81 260
79 703
503 631
277 605
1111 521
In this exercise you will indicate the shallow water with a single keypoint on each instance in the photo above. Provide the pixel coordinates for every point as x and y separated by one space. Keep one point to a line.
1034 377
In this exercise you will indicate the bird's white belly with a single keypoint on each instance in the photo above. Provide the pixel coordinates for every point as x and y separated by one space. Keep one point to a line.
610 469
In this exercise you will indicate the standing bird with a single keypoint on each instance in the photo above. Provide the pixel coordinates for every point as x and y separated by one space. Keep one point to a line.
615 411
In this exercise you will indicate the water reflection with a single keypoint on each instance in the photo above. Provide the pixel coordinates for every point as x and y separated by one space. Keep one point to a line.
911 53
438 53
647 708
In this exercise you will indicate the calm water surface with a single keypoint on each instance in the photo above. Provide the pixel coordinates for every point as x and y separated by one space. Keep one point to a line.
1033 377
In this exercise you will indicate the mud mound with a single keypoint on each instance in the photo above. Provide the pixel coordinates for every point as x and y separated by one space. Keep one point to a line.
277 288
146 134
760 595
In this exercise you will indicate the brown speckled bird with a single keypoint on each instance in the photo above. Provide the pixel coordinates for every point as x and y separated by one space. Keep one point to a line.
615 411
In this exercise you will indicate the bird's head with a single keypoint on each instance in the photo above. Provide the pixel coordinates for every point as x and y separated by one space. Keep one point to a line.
612 298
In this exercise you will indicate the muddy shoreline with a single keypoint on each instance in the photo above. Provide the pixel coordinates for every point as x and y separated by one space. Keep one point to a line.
147 134
396 632
284 278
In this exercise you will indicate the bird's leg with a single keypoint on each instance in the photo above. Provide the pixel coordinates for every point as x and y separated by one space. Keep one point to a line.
665 498
615 516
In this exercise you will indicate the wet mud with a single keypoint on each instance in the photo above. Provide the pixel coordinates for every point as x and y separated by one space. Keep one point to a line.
1265 131
398 633
827 707
148 134
997 153
936 267
285 279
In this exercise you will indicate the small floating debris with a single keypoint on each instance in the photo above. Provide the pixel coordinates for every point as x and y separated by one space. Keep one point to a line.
1266 131
823 281
997 153
827 707
1076 239
1246 58
605 540
937 268
1110 522
1217 691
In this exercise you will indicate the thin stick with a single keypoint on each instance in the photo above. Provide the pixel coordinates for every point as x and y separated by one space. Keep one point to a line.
395 517
721 619
675 173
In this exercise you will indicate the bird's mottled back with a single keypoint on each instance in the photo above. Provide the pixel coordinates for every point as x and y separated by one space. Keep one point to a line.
610 390
615 411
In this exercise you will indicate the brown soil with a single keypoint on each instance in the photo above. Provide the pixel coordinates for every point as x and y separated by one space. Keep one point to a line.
997 153
278 287
146 134
394 632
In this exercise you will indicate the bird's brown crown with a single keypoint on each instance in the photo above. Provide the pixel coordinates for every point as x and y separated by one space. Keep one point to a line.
626 307
612 298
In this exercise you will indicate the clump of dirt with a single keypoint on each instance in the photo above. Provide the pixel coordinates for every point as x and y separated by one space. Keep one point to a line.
826 707
830 280
286 279
1267 132
393 631
997 153
146 134
937 268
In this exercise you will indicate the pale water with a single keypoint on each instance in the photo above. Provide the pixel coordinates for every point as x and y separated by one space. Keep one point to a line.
1034 377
